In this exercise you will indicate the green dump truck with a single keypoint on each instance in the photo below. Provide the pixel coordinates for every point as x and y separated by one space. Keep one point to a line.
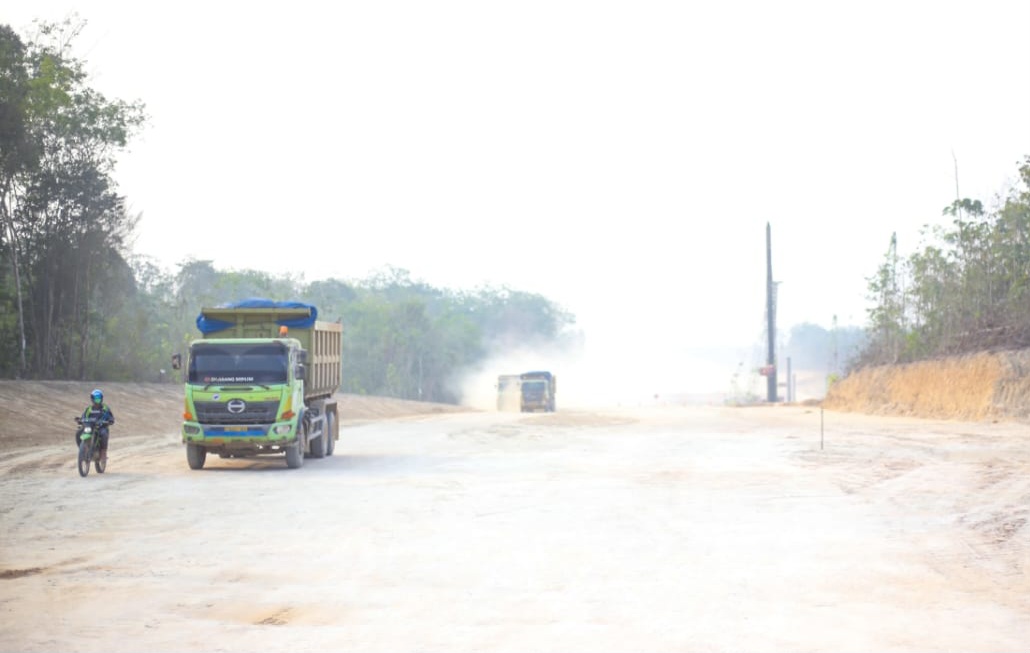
261 381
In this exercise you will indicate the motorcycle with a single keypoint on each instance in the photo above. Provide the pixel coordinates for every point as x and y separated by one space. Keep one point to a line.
89 445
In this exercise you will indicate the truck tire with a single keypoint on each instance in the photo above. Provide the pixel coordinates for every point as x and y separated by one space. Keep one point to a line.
316 447
330 433
195 456
295 455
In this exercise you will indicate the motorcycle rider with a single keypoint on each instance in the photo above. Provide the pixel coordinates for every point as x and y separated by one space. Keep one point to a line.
97 408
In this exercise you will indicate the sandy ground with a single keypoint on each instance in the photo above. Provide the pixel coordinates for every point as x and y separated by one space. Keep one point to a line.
668 528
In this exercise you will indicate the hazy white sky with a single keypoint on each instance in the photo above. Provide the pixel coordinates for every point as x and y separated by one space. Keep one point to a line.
621 158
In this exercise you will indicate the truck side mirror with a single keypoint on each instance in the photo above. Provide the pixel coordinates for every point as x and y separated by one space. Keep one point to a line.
176 361
300 372
302 356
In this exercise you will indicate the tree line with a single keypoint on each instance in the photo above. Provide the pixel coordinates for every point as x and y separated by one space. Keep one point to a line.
63 225
75 303
966 289
402 337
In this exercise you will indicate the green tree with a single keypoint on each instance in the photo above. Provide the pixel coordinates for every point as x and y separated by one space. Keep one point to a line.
887 317
17 155
1011 247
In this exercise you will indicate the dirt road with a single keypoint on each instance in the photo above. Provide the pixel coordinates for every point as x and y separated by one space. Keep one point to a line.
648 529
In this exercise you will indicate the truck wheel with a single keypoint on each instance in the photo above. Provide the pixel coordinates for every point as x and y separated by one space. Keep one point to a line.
316 447
295 455
330 433
195 456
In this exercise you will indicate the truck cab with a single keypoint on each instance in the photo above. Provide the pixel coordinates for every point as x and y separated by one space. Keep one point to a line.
538 391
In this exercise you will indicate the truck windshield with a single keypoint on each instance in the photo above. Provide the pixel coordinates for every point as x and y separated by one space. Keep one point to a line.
265 363
533 389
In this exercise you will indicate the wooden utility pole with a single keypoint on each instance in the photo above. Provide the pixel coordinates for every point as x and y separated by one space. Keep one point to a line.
770 310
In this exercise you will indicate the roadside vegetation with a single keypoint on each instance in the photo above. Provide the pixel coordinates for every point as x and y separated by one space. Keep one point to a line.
966 288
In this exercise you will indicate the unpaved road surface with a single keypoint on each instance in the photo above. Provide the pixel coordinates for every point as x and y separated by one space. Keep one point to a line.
646 529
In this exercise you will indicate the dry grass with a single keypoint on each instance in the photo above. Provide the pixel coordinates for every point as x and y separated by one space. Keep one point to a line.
971 387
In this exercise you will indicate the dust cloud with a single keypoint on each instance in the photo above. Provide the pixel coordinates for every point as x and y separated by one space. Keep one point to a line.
591 376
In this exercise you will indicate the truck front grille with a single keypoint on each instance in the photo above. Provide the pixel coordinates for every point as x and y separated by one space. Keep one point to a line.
253 412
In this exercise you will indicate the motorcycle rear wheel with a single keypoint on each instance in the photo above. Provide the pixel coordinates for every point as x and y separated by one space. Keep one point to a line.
100 464
85 458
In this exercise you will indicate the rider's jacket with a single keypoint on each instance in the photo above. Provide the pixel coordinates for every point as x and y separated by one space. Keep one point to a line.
102 411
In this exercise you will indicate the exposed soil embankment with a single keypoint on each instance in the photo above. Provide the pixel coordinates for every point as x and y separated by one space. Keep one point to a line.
972 387
43 412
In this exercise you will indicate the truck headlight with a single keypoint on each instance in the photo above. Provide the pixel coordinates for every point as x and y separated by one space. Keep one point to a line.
189 429
282 429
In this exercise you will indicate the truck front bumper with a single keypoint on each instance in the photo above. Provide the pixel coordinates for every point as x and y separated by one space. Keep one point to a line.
251 434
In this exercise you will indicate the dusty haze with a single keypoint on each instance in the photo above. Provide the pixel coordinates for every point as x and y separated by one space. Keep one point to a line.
610 374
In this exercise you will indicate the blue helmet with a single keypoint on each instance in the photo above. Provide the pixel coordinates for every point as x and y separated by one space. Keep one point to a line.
97 396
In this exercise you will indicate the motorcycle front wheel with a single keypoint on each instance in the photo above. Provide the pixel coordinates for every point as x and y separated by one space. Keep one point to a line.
85 456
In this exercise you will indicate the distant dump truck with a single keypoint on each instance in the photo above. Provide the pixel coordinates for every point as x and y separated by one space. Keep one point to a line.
260 381
537 391
509 393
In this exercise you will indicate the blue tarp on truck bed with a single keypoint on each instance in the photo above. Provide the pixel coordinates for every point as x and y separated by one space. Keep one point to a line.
211 325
